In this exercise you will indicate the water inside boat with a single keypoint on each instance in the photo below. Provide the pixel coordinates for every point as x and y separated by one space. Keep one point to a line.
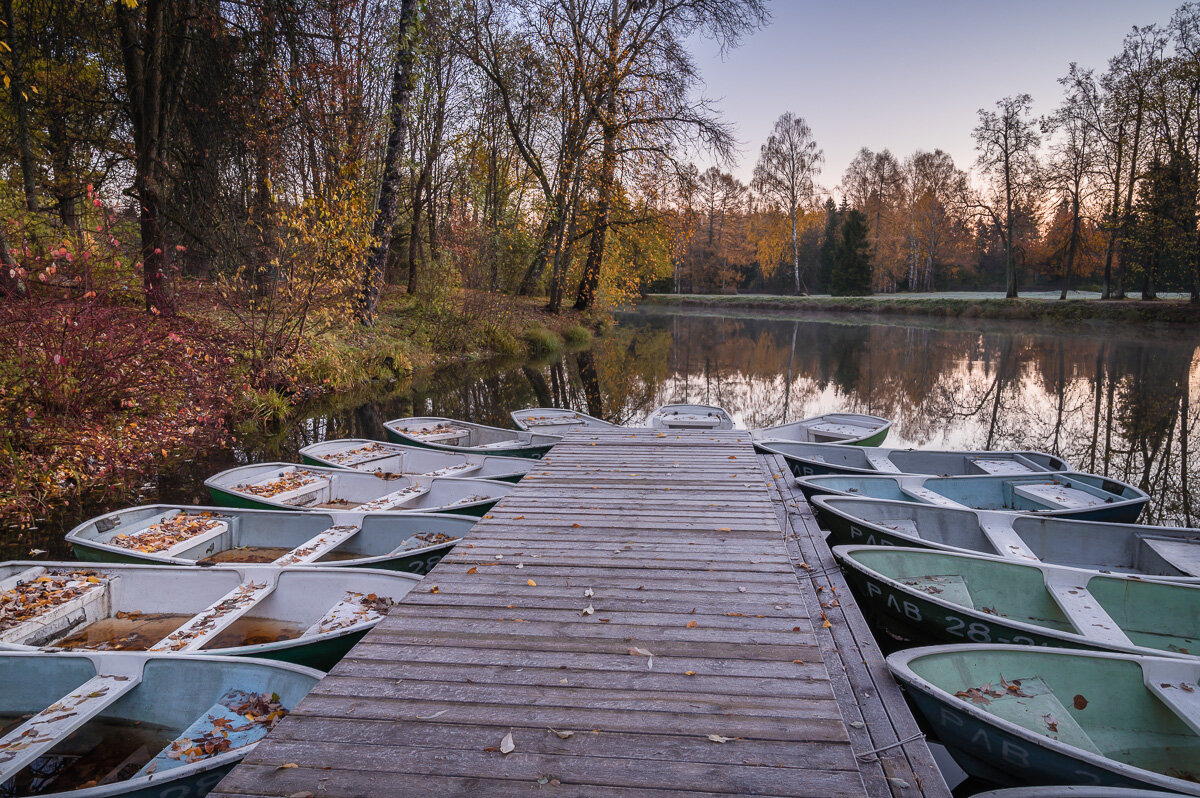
103 751
135 631
268 554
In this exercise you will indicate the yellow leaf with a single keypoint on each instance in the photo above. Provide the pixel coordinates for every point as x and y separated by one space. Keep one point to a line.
472 569
6 81
287 765
433 589
689 673
692 624
531 583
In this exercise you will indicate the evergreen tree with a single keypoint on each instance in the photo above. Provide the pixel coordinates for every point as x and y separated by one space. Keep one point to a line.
852 264
828 252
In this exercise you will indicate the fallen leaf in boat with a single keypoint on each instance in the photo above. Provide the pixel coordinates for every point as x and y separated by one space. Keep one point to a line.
716 738
287 765
507 746
472 570
563 735
531 583
692 624
1051 722
1080 702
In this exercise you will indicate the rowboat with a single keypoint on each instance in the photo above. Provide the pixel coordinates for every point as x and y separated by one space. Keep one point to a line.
556 420
845 428
395 458
164 534
1163 552
309 616
810 459
98 725
690 417
287 486
928 596
1062 494
464 437
1024 715
1075 791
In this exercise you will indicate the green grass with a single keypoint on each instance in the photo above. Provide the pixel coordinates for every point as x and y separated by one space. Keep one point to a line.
541 341
577 336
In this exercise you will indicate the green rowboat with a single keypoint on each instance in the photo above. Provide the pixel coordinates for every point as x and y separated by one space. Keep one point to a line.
556 421
464 437
165 534
856 429
287 486
1020 715
395 458
930 596
103 725
309 616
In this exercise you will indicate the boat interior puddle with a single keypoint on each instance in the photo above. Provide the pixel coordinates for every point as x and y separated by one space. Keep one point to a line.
103 751
268 554
134 631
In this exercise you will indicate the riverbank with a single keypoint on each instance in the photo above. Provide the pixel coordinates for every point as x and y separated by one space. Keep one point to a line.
99 395
1166 311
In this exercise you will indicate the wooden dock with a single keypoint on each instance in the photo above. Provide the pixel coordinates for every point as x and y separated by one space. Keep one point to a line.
631 620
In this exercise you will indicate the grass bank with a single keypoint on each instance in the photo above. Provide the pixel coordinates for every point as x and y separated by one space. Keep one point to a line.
1167 311
99 394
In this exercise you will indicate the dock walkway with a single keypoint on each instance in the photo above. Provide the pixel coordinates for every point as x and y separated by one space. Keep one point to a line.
630 619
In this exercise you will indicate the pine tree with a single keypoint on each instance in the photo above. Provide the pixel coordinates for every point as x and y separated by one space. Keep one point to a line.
829 244
852 264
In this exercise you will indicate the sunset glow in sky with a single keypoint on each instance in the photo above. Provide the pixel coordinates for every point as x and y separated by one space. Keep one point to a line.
907 75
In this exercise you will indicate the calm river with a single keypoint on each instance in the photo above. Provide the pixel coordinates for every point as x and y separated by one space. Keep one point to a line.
1120 401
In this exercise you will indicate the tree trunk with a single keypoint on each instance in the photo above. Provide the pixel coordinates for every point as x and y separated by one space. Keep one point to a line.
10 284
1114 220
795 253
20 104
591 269
414 243
1119 277
1072 247
389 187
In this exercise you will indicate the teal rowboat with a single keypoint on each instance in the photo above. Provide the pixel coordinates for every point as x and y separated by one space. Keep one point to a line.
856 429
556 421
1063 494
694 417
102 725
464 437
811 459
396 458
1157 551
928 596
1075 791
287 486
1020 715
309 616
164 534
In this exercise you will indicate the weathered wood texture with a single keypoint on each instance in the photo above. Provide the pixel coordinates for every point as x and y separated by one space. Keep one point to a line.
631 616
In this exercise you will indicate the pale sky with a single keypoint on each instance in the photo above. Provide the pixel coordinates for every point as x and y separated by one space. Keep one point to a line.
907 74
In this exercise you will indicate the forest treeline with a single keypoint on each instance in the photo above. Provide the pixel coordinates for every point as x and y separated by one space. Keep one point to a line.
1100 193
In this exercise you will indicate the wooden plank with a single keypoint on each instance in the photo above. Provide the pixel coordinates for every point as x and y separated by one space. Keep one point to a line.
656 603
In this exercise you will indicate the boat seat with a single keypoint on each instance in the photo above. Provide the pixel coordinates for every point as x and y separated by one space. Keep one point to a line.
217 617
951 587
1166 679
397 498
37 736
317 547
298 496
928 496
883 463
56 620
221 719
1036 709
1007 542
352 610
999 466
459 470
218 529
1181 554
1057 496
905 525
1082 609
453 435
23 576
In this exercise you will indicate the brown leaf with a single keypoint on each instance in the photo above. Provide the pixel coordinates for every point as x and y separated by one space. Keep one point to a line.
1080 702
287 765
472 570
433 589
692 624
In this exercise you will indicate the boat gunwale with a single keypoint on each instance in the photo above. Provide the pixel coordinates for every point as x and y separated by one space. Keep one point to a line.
769 446
899 665
318 462
760 434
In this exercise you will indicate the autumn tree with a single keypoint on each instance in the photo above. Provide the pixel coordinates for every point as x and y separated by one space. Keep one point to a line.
787 167
1068 168
1007 141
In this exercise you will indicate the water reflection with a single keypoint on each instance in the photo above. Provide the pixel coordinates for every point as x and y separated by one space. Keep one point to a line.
1111 400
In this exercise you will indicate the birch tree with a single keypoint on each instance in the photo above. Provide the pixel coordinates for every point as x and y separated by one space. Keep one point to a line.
787 166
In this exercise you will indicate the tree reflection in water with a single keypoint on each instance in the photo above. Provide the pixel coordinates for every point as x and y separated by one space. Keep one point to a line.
1113 400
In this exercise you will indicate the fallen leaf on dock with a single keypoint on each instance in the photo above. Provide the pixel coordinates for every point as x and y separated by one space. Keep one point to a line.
507 746
563 735
287 765
641 652
692 624
716 738
588 610
531 583
472 570
689 673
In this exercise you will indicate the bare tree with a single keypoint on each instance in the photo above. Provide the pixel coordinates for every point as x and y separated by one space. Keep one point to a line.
786 168
1007 140
1067 170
